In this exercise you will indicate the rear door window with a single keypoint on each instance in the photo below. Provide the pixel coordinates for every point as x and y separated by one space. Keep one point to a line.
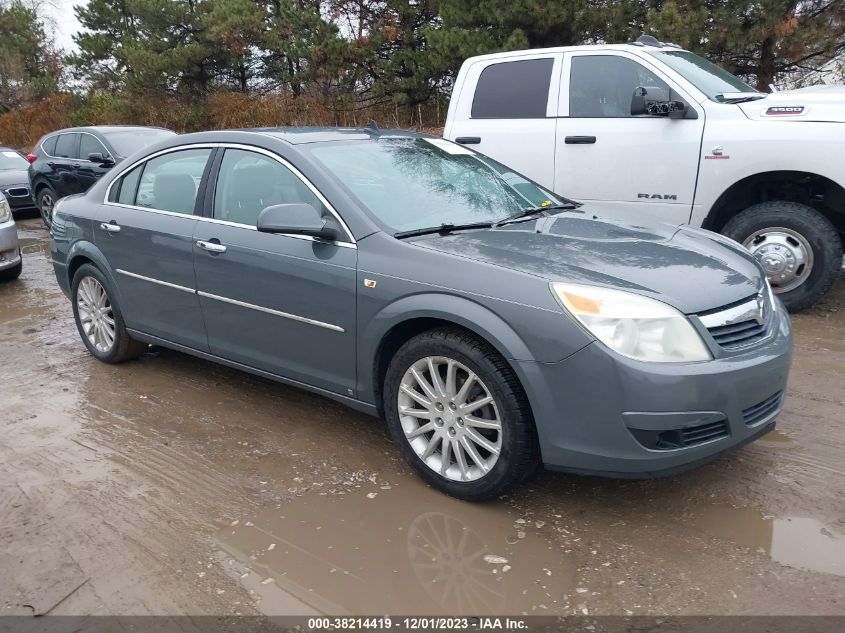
67 146
513 90
170 182
128 186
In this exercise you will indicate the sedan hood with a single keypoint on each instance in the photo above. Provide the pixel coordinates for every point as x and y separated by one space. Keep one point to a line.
13 177
681 266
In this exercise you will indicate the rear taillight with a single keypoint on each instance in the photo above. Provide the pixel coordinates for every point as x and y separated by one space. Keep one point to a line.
31 158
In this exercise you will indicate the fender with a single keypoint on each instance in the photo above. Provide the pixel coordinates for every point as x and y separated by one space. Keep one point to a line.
433 305
89 250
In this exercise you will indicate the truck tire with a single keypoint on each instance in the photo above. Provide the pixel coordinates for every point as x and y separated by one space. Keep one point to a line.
799 248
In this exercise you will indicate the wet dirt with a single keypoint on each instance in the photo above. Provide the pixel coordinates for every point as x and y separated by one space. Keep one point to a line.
170 485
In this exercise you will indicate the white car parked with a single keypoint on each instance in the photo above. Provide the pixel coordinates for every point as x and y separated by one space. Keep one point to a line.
651 126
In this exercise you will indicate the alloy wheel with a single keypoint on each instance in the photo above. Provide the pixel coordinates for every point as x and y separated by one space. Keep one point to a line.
450 418
95 314
47 204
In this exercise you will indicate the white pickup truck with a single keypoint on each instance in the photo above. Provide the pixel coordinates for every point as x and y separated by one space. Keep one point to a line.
653 127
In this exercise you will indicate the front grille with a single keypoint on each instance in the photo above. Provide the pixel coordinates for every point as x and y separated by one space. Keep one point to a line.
762 410
738 334
18 192
682 438
741 324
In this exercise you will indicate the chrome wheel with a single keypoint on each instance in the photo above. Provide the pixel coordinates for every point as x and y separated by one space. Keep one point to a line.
450 418
95 314
786 256
47 204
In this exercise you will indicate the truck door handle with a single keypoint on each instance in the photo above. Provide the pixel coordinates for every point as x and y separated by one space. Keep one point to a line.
110 227
579 140
211 247
468 140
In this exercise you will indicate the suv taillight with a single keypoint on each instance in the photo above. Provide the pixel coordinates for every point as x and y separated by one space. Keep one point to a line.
31 157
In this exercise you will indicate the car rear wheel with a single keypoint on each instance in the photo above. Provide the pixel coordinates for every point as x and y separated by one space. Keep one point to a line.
798 247
459 415
45 201
98 318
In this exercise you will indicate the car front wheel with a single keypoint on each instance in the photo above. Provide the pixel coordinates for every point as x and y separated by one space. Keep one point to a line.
798 247
459 415
98 317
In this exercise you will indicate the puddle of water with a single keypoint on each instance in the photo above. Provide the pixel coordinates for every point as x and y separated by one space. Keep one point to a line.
799 542
398 552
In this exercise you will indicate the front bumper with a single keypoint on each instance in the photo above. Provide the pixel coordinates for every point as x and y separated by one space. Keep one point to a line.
20 198
10 253
600 413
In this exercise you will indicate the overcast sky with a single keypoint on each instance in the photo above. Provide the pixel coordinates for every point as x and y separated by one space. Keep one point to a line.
59 16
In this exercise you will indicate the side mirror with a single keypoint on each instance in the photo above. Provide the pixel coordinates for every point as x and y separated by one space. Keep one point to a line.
100 159
297 219
656 102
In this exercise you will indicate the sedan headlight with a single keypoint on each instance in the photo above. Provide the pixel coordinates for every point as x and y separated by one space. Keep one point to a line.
633 325
5 209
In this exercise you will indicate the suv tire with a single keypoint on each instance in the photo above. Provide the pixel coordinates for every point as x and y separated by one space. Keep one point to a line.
46 197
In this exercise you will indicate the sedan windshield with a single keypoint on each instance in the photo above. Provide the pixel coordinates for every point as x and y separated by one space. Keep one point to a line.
414 183
10 159
128 141
703 74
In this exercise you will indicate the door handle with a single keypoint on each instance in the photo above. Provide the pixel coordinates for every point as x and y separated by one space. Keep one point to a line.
75 166
579 140
211 247
468 140
110 227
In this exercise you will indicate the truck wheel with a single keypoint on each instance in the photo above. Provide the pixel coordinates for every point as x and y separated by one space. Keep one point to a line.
798 247
459 415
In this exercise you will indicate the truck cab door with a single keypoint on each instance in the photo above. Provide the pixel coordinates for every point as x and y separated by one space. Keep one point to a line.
606 156
506 108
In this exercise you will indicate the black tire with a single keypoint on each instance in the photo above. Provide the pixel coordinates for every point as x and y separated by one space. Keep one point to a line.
10 274
46 195
817 230
124 347
519 455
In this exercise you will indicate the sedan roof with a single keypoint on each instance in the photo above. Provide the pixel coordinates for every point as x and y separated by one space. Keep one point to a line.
301 135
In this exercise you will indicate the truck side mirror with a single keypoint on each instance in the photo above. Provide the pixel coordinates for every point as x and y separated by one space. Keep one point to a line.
656 101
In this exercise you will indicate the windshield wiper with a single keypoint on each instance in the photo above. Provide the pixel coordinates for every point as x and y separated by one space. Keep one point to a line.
532 211
740 97
443 229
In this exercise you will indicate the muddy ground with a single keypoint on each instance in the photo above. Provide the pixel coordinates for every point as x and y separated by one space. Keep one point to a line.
170 485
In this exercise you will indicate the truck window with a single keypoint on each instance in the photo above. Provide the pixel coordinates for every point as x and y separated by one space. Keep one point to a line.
513 90
601 86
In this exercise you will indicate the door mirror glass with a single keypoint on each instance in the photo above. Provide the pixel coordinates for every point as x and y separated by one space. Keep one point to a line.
296 219
656 101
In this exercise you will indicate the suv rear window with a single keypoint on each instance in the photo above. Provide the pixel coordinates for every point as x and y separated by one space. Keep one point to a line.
513 90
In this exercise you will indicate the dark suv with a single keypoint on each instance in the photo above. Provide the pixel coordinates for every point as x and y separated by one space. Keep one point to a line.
70 161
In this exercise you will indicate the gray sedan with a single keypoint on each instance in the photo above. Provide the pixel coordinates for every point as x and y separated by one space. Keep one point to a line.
495 325
11 262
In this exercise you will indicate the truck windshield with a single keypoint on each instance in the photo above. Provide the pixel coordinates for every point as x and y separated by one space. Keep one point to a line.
704 75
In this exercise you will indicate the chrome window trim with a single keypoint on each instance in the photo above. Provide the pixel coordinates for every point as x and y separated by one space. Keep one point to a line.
249 148
285 315
155 281
249 227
